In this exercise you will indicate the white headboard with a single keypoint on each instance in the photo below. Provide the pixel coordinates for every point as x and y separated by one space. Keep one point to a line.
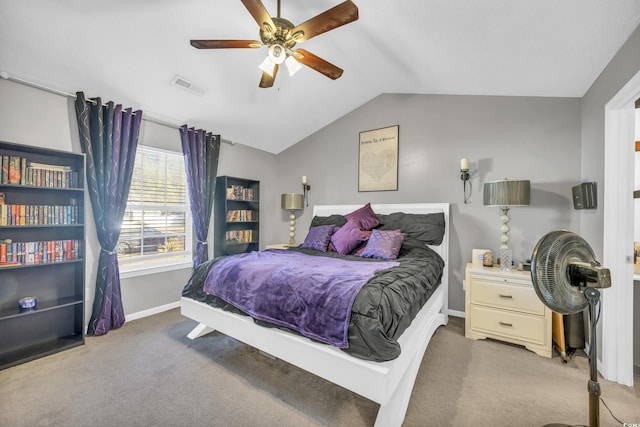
411 208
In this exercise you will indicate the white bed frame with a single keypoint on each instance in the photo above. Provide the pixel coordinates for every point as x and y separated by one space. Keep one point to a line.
388 383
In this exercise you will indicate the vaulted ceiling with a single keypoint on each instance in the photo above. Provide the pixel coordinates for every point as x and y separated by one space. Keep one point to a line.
129 51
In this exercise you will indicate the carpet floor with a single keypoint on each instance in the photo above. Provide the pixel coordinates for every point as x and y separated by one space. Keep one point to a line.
148 373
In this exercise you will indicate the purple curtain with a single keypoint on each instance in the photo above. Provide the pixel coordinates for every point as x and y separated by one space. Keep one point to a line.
201 152
109 138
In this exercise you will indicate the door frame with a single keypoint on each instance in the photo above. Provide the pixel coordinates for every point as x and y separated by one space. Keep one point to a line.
617 301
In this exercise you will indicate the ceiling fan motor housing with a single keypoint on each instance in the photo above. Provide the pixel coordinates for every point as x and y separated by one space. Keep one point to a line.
280 35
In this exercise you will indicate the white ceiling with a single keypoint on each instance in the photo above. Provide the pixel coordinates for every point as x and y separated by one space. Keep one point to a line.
130 50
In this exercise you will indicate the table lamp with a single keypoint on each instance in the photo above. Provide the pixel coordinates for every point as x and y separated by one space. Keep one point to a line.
505 194
292 202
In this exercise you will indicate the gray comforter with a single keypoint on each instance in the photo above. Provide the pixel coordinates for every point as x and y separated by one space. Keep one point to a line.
382 309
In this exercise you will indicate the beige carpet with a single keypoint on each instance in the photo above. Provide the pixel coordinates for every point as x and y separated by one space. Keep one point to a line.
149 374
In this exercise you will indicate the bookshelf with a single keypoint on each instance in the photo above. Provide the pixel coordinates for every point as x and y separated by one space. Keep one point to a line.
236 216
42 238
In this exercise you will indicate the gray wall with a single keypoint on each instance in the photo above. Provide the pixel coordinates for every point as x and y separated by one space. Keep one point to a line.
624 65
35 117
503 137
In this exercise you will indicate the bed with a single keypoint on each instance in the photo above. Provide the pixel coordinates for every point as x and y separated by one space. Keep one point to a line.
388 383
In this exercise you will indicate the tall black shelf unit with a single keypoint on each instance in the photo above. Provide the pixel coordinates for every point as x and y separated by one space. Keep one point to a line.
236 216
55 274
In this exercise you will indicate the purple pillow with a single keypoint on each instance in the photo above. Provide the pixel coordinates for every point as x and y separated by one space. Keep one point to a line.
383 244
347 238
360 248
364 217
318 238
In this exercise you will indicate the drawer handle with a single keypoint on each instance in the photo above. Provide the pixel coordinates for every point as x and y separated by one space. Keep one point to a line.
506 296
510 325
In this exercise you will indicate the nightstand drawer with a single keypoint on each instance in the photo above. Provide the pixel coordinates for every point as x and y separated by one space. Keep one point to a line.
508 324
510 297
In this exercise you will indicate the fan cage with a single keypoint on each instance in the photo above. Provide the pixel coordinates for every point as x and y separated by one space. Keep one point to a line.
550 270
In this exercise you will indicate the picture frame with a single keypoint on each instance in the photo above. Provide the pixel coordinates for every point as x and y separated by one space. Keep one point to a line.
378 159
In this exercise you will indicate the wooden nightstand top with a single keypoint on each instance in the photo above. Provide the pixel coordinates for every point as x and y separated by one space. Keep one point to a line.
495 271
278 246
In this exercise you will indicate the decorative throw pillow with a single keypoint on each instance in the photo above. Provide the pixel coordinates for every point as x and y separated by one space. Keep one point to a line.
318 238
347 238
360 248
364 217
332 247
383 244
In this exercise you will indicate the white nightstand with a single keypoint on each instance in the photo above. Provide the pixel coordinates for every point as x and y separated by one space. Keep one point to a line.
504 306
278 246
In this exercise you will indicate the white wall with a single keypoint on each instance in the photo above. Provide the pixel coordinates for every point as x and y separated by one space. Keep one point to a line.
35 117
503 137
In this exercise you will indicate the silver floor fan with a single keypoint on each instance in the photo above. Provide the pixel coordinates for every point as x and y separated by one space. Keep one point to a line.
566 276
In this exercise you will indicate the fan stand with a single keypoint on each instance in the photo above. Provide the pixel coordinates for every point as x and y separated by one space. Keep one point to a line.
593 298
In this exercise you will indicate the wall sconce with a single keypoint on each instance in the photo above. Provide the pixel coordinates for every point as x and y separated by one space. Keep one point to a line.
305 188
465 176
292 202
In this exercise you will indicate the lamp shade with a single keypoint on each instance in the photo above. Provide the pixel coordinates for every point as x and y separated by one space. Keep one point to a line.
292 201
506 193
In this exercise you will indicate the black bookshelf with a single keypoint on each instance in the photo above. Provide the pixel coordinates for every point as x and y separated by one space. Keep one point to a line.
236 216
42 252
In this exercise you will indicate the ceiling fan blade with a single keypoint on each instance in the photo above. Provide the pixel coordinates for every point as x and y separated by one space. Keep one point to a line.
267 80
225 44
260 14
317 63
335 17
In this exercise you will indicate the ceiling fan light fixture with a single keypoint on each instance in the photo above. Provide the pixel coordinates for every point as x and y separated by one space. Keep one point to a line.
277 54
267 66
293 66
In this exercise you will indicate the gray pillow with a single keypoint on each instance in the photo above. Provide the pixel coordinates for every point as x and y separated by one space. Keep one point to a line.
425 228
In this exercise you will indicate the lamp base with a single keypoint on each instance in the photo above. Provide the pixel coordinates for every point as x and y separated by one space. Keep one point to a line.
506 259
292 229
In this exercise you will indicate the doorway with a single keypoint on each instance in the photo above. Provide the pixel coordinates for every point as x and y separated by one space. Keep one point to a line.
619 149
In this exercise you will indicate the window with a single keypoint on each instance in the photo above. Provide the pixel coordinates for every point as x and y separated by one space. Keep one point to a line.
156 228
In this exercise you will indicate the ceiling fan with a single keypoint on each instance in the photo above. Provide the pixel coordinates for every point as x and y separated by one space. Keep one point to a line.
281 36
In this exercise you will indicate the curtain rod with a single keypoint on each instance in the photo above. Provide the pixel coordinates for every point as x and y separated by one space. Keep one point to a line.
6 76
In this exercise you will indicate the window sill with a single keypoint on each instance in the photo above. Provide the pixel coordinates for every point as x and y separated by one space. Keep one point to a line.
144 270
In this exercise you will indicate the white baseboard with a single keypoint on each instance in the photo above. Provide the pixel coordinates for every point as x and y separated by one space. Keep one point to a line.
456 313
152 311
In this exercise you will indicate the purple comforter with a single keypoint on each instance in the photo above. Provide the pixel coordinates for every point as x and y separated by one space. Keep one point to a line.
311 295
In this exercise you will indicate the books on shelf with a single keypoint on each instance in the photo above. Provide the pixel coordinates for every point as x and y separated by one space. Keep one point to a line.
20 171
238 192
41 252
241 215
239 236
38 215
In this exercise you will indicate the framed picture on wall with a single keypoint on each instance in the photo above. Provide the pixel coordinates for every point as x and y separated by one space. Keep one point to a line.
378 159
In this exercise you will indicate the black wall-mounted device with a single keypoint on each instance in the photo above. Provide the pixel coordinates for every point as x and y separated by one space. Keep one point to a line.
585 196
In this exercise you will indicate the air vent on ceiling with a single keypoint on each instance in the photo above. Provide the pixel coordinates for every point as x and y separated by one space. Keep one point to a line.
187 85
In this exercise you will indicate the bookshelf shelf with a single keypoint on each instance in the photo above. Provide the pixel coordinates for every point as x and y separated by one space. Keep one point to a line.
43 306
236 216
42 246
